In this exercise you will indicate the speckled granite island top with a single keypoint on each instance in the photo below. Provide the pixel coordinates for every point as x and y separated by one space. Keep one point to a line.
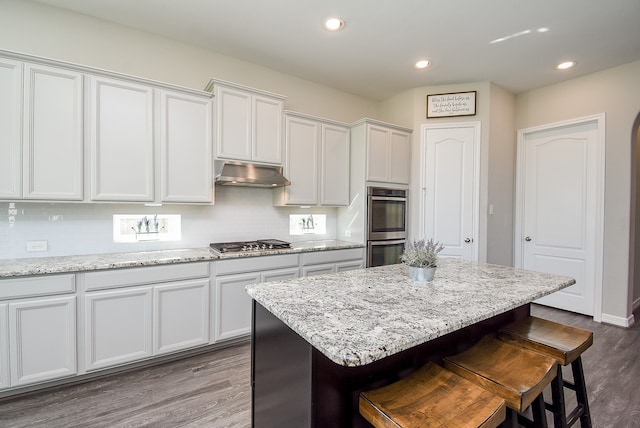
361 316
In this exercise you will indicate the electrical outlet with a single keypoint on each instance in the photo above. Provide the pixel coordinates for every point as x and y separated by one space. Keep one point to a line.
34 246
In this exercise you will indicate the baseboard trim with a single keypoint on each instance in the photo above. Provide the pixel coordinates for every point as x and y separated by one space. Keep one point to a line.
618 321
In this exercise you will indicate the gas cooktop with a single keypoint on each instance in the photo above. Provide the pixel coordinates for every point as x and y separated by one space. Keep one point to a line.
243 246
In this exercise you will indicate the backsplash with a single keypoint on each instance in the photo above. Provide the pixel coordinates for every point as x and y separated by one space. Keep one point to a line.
239 213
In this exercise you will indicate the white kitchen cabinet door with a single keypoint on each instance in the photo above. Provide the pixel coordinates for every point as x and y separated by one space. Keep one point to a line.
117 327
377 153
301 161
234 124
334 170
399 157
42 339
53 140
388 155
233 305
186 148
267 130
10 129
4 347
181 316
121 140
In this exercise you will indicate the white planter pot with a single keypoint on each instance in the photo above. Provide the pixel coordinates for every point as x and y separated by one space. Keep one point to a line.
421 274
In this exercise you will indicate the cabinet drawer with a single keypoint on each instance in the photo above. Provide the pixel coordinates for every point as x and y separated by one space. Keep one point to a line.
332 256
144 275
37 286
254 264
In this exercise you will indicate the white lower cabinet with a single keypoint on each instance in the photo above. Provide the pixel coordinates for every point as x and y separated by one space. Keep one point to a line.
323 262
232 303
138 313
117 327
42 339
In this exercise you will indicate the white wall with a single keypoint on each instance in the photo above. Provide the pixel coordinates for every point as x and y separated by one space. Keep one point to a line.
615 92
70 229
495 111
36 29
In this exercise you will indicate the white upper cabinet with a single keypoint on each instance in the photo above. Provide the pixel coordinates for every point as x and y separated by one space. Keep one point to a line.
316 162
248 123
185 148
387 151
121 140
53 151
10 127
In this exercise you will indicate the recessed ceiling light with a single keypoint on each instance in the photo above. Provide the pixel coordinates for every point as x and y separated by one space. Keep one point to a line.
566 65
333 24
542 30
423 63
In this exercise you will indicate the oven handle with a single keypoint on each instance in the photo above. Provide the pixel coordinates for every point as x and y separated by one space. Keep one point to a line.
387 198
387 242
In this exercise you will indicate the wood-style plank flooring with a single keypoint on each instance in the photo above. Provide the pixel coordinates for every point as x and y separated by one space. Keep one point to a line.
213 389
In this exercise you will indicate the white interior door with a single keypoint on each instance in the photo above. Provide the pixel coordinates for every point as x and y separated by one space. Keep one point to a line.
560 206
450 176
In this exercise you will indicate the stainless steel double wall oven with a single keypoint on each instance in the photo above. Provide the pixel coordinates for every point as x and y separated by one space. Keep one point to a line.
386 225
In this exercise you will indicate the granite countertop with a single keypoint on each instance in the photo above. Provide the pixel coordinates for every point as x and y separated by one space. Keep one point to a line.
361 316
81 263
296 247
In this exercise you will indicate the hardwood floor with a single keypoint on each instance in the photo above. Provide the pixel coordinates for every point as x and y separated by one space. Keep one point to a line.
213 389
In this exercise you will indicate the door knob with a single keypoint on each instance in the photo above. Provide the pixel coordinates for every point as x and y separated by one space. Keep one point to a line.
467 240
527 238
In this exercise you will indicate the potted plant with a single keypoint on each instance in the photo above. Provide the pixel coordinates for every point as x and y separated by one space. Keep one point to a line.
422 258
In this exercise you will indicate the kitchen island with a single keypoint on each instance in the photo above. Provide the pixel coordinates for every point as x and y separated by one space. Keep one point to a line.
317 342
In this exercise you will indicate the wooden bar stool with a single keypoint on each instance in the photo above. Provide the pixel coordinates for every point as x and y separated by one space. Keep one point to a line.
432 397
565 344
516 374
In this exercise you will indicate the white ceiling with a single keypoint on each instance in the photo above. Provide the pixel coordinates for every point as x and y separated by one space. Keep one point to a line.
373 55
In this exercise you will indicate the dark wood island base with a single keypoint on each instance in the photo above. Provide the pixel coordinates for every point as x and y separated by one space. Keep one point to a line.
295 385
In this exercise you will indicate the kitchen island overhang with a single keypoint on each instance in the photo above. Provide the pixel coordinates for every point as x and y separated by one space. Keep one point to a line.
318 341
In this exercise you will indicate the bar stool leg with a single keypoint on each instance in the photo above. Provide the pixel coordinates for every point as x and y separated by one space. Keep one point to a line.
558 405
539 414
581 392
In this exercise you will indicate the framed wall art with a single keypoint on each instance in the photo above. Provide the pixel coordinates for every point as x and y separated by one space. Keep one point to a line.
451 104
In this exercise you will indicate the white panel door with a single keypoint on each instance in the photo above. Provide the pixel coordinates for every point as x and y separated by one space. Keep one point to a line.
121 135
181 316
560 210
53 140
303 138
117 327
10 129
377 153
450 177
186 148
334 185
400 157
233 124
42 339
233 305
267 130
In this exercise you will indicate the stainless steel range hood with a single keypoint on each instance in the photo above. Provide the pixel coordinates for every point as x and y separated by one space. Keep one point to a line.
230 173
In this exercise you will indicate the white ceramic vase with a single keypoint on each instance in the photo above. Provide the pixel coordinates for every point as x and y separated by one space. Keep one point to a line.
421 274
